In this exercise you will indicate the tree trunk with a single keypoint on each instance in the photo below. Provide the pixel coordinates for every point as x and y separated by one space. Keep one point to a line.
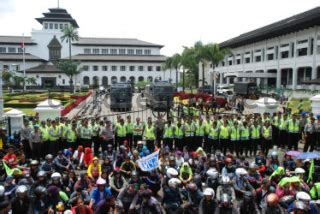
183 79
69 49
203 74
71 84
177 79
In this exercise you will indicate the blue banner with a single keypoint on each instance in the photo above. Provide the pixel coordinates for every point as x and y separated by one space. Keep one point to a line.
149 162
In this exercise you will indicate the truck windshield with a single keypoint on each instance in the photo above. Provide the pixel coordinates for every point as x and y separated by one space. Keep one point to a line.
121 92
163 90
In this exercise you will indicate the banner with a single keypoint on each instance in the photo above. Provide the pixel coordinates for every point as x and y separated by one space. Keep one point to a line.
149 162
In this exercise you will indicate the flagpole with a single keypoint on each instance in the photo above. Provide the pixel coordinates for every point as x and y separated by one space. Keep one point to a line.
24 64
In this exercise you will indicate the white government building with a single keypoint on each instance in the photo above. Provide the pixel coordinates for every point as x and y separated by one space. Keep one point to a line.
285 53
103 60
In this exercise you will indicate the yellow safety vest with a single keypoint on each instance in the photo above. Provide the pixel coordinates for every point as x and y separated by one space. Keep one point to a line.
149 133
121 130
129 128
255 132
293 127
137 126
178 133
168 131
44 133
71 136
200 129
245 134
55 132
213 133
235 134
266 132
188 130
224 132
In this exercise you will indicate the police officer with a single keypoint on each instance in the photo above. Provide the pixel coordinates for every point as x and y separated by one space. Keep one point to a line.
213 136
266 133
129 128
245 135
45 136
121 132
137 131
294 135
255 133
168 135
85 134
199 131
150 135
189 135
235 135
71 136
282 137
224 137
95 131
54 133
179 135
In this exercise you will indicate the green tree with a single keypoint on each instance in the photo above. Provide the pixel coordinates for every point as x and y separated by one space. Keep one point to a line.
189 64
202 56
176 64
168 64
215 55
70 68
7 77
31 80
70 34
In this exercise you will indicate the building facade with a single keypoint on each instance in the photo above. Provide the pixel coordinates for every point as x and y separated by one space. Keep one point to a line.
102 60
282 54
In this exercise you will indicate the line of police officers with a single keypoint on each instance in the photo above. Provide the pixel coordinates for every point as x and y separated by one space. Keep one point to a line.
240 133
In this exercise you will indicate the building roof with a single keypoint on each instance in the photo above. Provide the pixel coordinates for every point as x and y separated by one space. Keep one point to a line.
119 58
54 43
90 41
58 15
44 68
294 23
19 57
16 40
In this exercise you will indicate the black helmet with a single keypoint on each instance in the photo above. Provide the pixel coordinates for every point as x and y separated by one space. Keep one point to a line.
147 193
23 181
192 186
40 190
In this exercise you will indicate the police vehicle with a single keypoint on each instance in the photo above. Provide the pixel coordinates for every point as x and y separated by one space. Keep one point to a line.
159 96
121 96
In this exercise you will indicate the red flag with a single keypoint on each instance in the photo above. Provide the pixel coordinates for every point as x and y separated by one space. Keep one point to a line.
22 45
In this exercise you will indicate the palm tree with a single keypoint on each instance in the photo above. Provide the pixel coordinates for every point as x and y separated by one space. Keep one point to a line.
70 34
189 64
70 68
168 65
202 56
215 55
176 63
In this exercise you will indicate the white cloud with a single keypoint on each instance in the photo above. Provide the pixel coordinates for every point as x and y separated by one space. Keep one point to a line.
173 23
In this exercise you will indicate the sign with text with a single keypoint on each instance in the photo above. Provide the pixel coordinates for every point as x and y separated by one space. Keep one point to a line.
149 162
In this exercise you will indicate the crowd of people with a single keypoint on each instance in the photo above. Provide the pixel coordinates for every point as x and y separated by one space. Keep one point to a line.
220 163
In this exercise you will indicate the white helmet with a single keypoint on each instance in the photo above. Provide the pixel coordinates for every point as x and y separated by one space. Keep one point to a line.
101 181
209 192
303 196
241 171
212 173
299 171
1 190
21 189
171 172
174 182
225 180
55 175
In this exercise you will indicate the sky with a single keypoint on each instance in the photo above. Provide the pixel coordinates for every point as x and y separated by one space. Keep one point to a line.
172 23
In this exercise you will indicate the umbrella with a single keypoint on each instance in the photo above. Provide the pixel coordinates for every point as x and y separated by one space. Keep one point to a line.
293 153
308 155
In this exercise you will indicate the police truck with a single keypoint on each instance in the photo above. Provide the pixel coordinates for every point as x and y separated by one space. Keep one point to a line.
121 96
159 96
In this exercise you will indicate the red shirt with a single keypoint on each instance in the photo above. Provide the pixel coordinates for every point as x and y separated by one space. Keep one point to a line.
10 159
